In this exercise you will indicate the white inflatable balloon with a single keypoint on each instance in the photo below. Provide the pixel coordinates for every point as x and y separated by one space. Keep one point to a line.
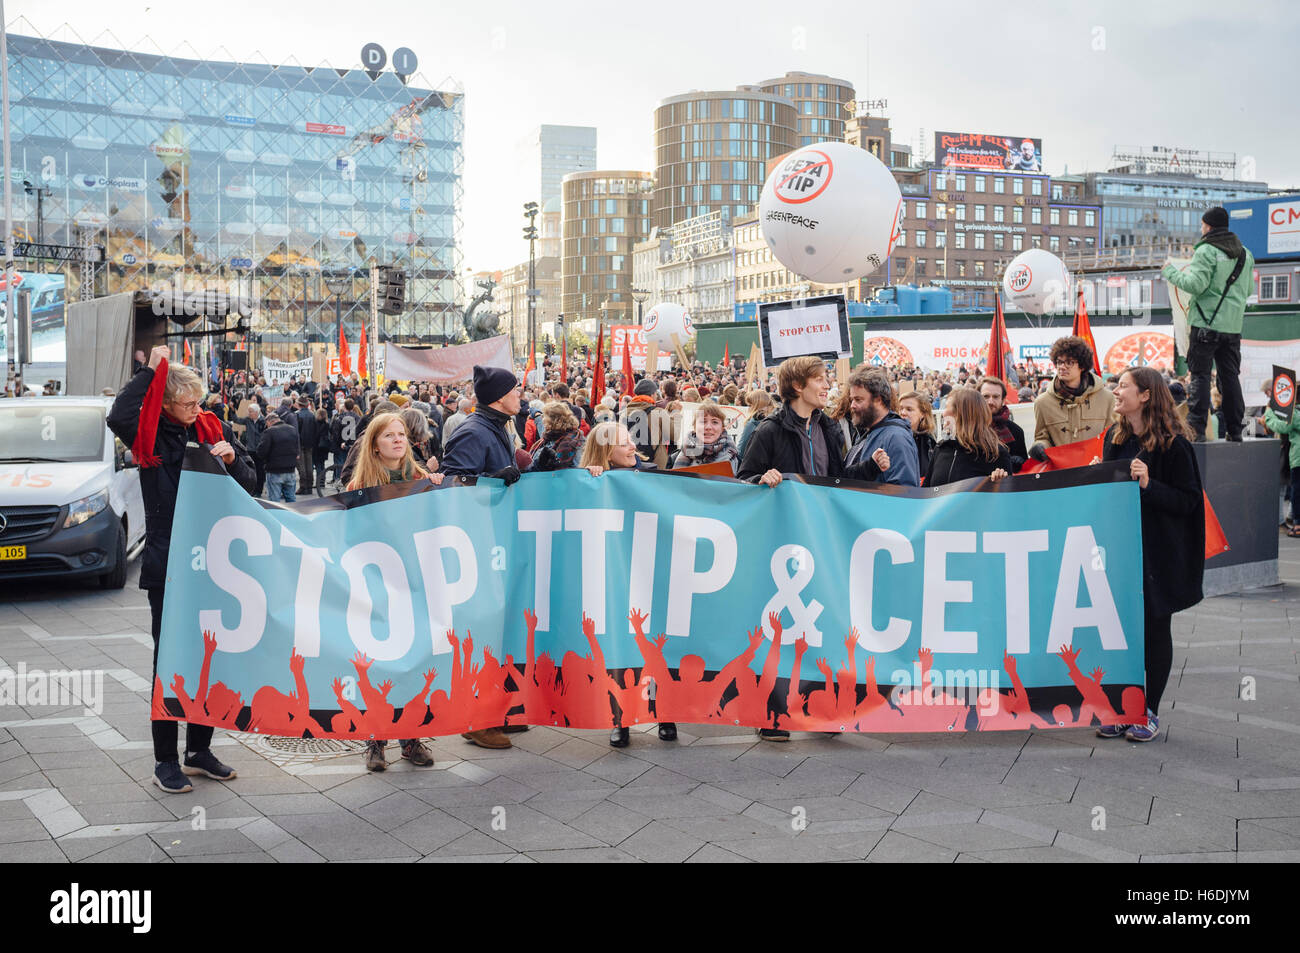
1037 282
666 319
831 212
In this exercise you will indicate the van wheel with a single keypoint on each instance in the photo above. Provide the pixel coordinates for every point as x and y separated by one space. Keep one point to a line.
115 578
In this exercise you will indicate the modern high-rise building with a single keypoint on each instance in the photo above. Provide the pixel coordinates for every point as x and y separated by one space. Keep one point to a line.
605 214
712 150
552 152
271 176
820 101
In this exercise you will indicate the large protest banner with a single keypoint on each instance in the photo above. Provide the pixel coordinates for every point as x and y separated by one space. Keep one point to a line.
448 365
568 599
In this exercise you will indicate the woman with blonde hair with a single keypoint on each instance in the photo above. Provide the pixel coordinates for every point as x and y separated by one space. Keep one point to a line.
384 457
972 448
760 405
609 446
915 408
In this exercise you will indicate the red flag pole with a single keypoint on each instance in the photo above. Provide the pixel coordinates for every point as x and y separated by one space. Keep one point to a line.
598 374
1082 328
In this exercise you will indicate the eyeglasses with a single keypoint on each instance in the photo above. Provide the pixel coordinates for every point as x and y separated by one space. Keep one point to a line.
185 404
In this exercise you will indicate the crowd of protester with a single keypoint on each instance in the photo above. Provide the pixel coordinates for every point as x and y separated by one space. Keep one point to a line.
899 425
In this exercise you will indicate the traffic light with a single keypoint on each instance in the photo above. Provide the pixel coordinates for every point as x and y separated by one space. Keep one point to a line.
392 290
550 348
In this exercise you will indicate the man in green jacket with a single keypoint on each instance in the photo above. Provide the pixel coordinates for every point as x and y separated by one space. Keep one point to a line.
1214 319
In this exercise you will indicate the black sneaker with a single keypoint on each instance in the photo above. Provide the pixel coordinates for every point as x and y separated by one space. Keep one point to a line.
167 777
773 734
205 762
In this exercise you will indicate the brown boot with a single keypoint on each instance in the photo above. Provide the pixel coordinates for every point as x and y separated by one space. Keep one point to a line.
375 756
488 738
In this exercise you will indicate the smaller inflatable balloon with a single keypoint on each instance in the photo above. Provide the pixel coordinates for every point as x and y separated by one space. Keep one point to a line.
830 212
1037 282
666 319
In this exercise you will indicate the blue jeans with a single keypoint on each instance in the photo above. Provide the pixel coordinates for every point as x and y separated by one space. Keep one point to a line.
280 486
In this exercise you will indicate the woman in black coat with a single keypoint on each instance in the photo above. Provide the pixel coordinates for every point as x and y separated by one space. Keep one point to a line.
1152 435
974 450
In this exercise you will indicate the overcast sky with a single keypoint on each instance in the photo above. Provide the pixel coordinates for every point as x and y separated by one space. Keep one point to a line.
1084 77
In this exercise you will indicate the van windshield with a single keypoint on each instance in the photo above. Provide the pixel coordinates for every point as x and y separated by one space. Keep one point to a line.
65 434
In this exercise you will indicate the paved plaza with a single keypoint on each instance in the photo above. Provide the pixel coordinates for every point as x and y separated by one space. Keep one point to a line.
1222 783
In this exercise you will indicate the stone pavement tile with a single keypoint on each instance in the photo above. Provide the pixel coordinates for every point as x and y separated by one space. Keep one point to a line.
1200 857
525 829
265 833
969 837
1181 769
1049 781
23 829
1286 825
667 805
1270 784
360 791
275 804
732 827
564 807
518 764
1192 743
394 811
776 758
40 743
431 831
1280 754
125 792
928 809
807 847
31 852
561 780
659 780
1253 836
812 778
125 812
609 823
1042 854
734 802
470 843
343 836
618 767
1268 857
469 859
584 855
495 791
659 843
19 767
295 852
880 793
14 810
283 784
249 857
140 849
713 854
191 843
576 752
821 812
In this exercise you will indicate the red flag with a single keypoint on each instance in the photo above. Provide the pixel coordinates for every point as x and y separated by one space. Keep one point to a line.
627 364
345 356
362 368
1084 330
999 343
532 360
1082 453
188 357
598 375
564 358
726 354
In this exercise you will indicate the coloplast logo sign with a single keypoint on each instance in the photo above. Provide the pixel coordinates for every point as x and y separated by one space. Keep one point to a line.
804 176
1019 278
123 183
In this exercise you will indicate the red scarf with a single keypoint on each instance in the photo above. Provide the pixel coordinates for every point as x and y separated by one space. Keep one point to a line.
207 426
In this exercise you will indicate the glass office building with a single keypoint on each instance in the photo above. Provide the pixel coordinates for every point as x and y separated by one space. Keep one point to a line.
267 178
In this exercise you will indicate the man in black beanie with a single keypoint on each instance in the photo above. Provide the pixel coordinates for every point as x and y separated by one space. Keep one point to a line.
483 446
1218 279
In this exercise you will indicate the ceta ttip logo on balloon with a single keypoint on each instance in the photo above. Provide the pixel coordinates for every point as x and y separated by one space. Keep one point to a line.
1020 278
804 177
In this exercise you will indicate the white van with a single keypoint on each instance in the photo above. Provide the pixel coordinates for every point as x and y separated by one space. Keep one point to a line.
70 503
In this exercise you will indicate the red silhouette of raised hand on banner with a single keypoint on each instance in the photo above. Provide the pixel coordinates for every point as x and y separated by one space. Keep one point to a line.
415 712
874 711
1095 703
275 713
379 711
1007 709
751 705
602 681
795 718
927 707
348 719
536 709
158 706
822 703
688 697
220 705
491 699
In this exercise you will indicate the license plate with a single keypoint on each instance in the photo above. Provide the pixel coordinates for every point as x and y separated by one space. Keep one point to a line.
13 552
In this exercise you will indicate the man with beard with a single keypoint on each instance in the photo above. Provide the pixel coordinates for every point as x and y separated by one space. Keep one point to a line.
870 395
1010 433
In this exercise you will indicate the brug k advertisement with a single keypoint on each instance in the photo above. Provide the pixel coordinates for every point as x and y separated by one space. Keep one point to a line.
566 599
981 152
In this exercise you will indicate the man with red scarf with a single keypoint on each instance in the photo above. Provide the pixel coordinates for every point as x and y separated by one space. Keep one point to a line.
157 414
1010 434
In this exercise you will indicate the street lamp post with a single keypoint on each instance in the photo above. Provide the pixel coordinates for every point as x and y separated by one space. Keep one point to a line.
530 232
639 295
40 192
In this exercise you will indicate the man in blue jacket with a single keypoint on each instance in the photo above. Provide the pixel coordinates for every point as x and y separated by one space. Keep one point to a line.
870 395
484 446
